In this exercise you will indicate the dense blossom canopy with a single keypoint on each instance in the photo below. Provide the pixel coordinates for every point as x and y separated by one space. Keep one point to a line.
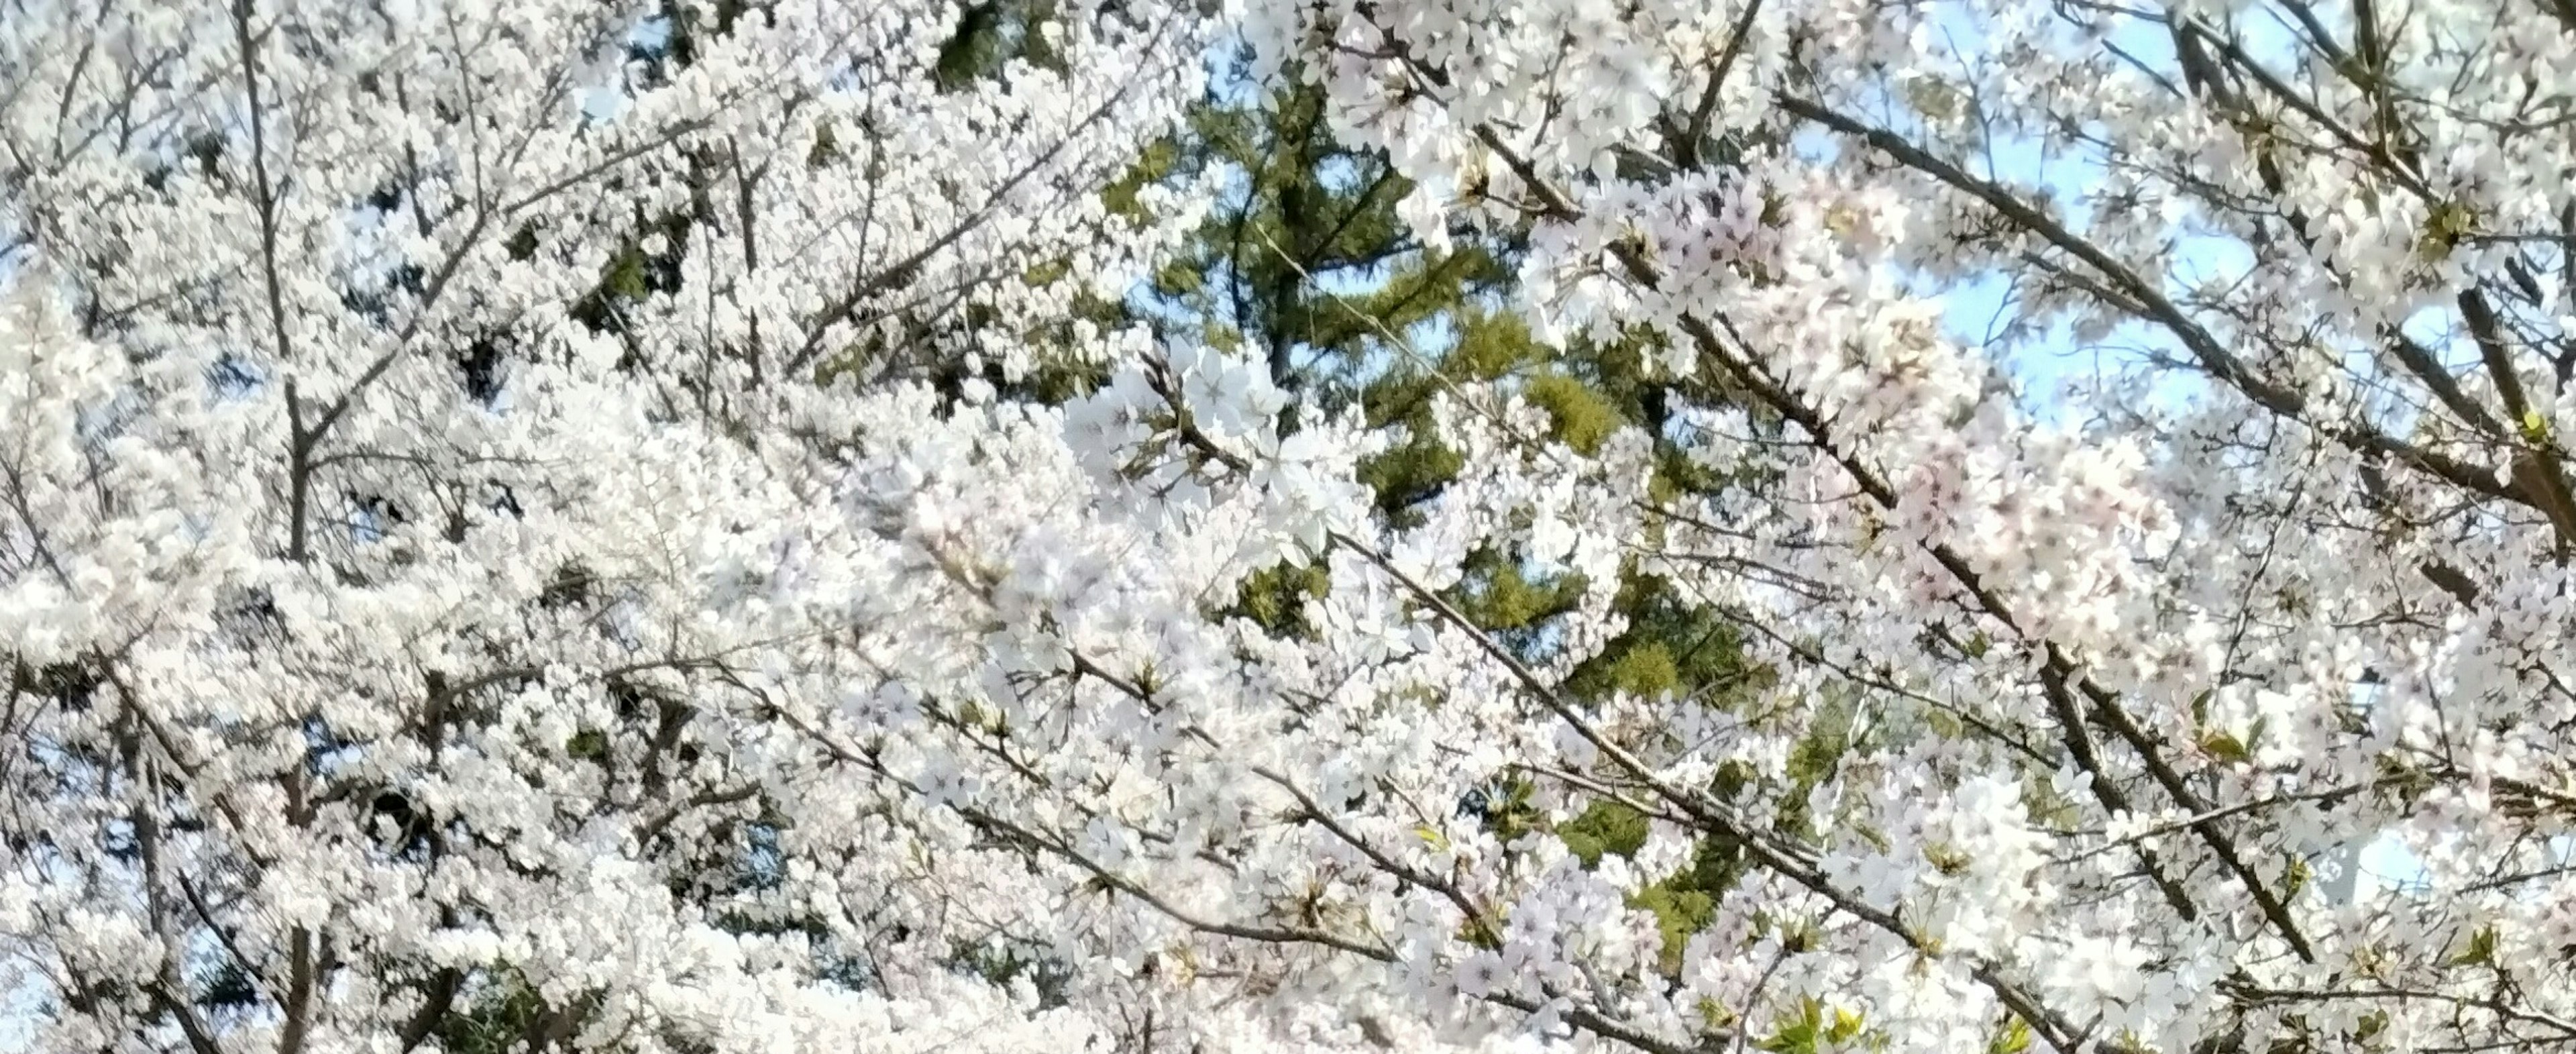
531 526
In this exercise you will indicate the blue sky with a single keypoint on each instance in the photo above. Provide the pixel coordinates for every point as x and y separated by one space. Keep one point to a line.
2041 366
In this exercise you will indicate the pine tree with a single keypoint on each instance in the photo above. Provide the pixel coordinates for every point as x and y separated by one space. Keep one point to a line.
1309 264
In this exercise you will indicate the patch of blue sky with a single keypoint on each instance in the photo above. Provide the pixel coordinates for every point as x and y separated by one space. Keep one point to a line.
2047 360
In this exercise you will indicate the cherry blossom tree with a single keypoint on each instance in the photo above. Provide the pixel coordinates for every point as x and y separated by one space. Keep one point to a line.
420 419
530 528
2137 680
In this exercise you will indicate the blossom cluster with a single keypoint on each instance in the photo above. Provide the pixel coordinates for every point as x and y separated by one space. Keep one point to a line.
526 513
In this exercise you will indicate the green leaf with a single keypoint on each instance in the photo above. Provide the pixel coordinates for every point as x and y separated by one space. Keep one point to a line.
1845 1027
2013 1039
1796 1031
2481 950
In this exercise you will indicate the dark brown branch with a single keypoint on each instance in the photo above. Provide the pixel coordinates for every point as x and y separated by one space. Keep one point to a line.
2213 356
2060 673
902 270
434 1005
264 199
